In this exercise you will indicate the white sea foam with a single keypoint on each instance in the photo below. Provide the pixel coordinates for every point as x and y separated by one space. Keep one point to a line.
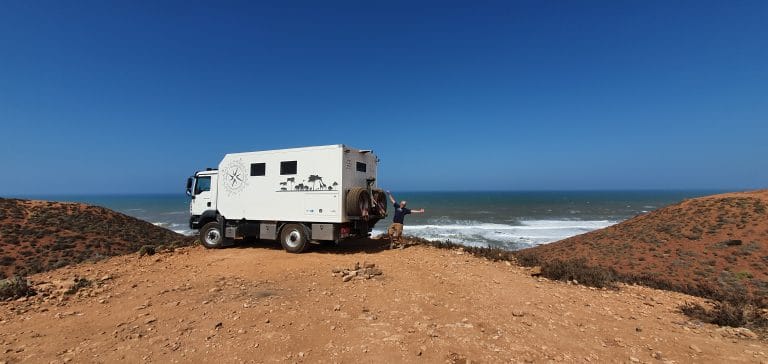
175 227
527 233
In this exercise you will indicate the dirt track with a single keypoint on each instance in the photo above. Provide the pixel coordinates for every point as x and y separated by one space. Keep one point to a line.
260 304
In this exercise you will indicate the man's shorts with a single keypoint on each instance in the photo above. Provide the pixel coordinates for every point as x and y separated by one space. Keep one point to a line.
395 231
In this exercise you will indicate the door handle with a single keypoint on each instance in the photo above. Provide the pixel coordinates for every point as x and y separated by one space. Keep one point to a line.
209 204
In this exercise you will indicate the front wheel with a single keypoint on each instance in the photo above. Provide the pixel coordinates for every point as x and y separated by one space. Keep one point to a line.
210 235
294 238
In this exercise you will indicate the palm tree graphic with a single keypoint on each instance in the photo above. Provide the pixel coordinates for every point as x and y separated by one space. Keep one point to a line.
315 178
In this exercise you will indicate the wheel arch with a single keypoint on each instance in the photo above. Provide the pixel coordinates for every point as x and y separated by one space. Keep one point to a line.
208 216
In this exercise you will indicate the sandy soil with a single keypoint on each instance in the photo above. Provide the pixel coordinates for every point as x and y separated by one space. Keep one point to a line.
260 304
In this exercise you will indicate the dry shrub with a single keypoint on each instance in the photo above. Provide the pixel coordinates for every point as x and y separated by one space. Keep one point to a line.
580 271
147 250
491 253
731 306
79 284
15 287
728 313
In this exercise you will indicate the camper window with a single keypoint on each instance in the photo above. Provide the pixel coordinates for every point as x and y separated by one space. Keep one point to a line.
203 184
289 167
258 169
361 167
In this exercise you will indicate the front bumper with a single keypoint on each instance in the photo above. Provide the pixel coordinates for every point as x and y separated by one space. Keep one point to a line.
194 222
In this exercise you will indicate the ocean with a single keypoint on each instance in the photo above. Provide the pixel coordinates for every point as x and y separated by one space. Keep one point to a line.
509 220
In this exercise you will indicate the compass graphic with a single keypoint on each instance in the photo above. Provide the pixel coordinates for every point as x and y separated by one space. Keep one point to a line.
234 177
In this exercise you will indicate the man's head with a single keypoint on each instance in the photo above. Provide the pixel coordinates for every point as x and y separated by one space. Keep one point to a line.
402 203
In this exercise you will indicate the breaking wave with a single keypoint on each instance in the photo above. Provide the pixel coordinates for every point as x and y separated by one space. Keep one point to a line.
523 234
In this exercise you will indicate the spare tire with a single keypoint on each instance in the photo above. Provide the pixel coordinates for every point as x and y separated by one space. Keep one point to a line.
358 202
380 198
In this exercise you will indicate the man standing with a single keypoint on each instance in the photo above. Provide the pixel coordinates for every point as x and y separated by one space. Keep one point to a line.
395 230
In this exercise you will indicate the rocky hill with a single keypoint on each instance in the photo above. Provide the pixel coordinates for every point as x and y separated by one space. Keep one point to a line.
36 236
707 246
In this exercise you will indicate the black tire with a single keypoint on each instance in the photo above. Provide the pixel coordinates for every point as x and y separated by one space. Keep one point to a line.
211 236
294 238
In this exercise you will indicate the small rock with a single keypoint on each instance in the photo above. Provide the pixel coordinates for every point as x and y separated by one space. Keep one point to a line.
106 278
218 325
747 333
150 320
633 359
518 313
695 348
214 289
347 278
337 308
241 331
266 321
639 329
657 355
368 265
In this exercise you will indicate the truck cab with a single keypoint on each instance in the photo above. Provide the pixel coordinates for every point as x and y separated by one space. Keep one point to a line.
202 190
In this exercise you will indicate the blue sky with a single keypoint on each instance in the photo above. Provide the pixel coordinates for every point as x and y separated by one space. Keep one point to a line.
133 96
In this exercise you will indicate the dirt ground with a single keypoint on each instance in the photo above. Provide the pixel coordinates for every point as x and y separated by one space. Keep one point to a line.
257 303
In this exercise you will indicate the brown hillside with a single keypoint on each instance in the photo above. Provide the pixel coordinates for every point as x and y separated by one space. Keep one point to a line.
36 236
702 245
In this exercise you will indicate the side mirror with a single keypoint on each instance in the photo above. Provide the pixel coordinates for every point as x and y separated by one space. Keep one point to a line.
189 186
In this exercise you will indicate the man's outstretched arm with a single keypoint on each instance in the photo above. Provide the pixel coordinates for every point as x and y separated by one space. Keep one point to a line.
419 211
391 198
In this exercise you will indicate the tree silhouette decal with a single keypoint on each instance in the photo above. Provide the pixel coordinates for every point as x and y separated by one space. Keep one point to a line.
315 178
312 179
292 180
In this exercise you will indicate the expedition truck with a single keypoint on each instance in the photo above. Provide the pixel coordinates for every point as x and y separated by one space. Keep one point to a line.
297 196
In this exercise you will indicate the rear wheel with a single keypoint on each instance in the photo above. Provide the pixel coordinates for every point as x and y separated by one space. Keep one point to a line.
294 238
210 236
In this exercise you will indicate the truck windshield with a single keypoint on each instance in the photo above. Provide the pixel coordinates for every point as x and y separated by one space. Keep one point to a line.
203 184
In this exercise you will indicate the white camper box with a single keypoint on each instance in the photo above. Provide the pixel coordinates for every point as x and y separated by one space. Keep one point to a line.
299 195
